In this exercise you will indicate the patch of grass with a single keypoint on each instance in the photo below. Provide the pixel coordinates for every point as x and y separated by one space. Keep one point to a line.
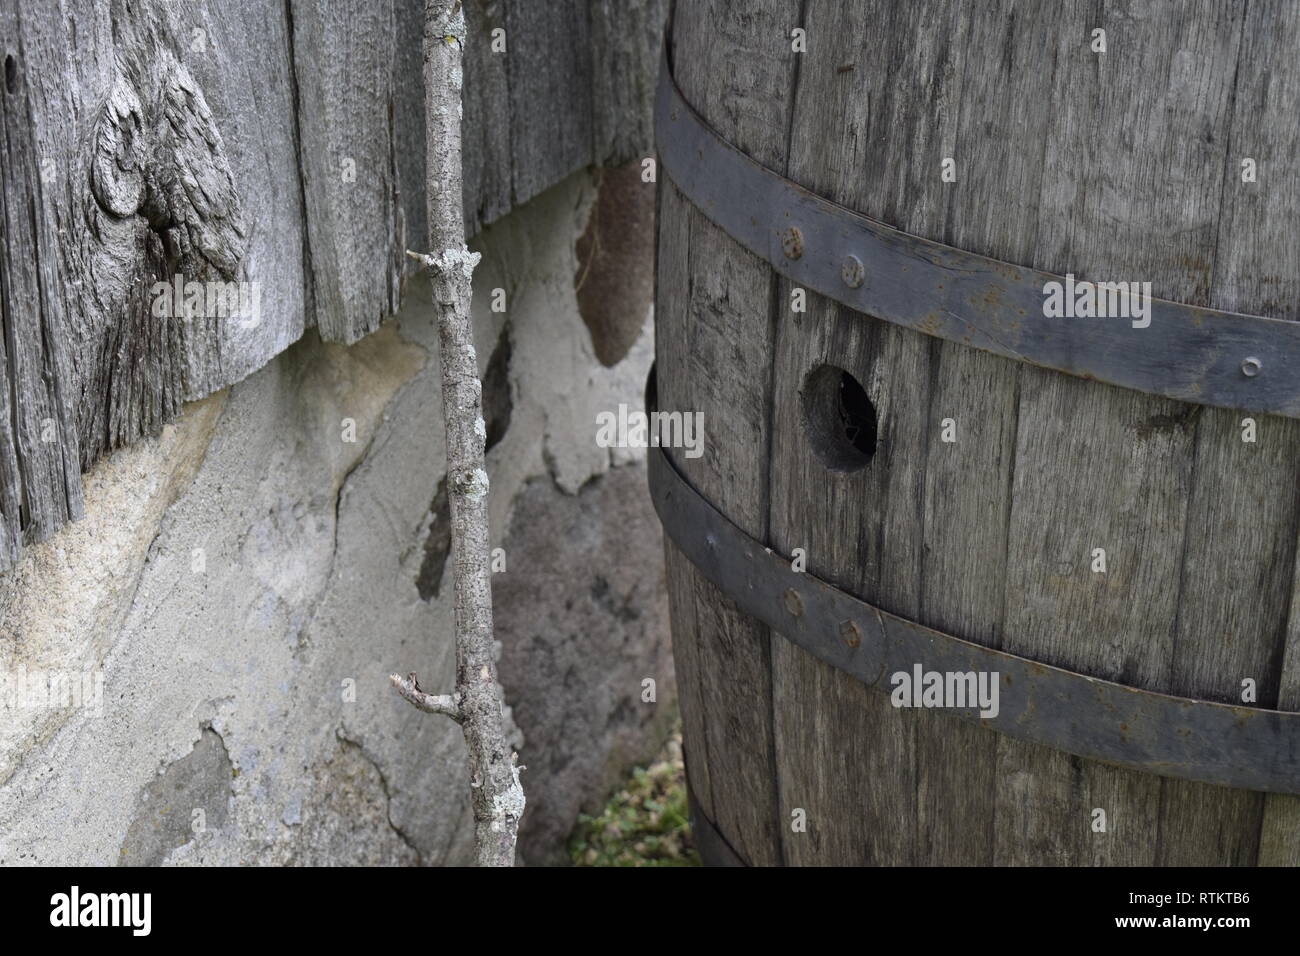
645 823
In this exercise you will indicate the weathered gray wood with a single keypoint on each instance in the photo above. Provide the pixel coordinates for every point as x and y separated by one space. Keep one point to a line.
141 120
344 53
862 530
532 102
1068 161
254 119
486 127
274 145
968 481
1279 832
38 444
714 357
1097 467
673 241
549 50
1245 546
625 45
683 582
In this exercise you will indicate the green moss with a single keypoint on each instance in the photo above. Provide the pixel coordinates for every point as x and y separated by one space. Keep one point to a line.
644 824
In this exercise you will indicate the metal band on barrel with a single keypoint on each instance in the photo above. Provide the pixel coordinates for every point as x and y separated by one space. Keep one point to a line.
1204 356
1244 747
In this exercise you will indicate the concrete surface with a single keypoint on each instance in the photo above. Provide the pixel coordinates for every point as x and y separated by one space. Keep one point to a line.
244 583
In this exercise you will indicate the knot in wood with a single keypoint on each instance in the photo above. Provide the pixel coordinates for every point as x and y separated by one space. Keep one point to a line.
158 155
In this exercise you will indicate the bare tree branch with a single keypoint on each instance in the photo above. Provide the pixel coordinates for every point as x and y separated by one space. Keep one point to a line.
497 795
444 704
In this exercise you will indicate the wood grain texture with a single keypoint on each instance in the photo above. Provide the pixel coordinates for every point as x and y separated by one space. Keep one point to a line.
485 131
625 43
277 147
549 57
1245 545
1279 832
343 54
714 356
1125 166
38 445
142 128
862 530
672 265
968 481
1098 467
253 120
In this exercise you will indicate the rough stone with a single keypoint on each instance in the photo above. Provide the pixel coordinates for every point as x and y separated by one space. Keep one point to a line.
582 629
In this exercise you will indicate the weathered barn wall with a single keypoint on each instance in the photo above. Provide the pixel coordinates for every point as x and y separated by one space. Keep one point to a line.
243 584
263 535
274 145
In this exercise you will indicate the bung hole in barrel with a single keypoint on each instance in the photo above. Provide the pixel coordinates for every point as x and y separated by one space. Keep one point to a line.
839 419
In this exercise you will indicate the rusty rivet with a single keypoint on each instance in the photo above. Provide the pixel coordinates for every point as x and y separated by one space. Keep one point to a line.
850 633
792 243
852 271
793 602
1250 367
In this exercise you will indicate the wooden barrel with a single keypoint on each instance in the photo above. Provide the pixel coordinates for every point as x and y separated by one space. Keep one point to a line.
1087 501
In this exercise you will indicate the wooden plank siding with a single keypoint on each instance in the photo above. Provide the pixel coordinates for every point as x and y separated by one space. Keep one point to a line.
279 144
